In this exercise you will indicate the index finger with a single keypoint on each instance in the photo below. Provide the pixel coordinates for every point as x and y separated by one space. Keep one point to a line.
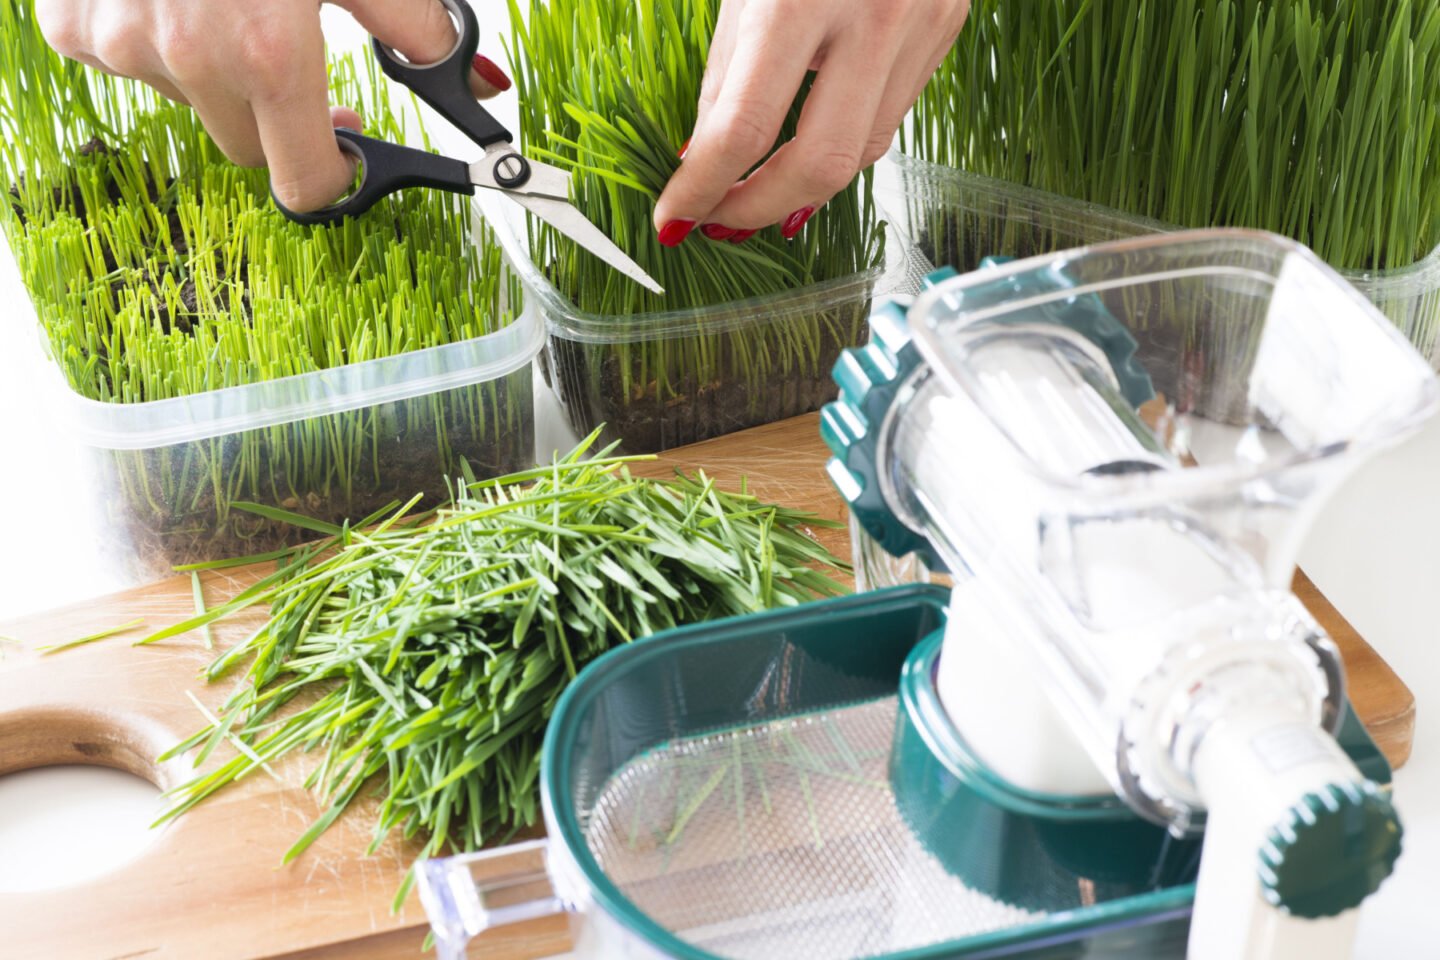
717 61
830 141
307 168
742 126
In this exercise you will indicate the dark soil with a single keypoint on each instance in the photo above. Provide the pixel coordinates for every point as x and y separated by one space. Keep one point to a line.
961 239
590 382
68 195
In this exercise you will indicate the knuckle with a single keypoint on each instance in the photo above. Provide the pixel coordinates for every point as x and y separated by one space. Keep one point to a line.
761 20
300 193
61 26
828 171
742 135
184 53
119 43
755 19
269 56
876 147
312 185
243 156
434 33
710 85
891 14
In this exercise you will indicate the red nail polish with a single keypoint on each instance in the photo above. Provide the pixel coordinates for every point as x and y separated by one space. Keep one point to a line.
792 224
718 231
740 236
490 73
684 148
675 231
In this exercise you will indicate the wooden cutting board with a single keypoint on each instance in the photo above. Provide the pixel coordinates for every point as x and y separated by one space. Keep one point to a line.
211 885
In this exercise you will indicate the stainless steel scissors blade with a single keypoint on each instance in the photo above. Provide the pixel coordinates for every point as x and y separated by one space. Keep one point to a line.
546 193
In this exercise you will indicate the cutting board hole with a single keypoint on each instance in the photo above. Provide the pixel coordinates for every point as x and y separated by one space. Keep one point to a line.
79 788
63 825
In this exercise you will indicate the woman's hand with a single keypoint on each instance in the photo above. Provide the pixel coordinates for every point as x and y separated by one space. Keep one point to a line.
873 58
254 70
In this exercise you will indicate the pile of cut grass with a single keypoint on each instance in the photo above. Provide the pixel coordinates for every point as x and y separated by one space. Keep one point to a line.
420 658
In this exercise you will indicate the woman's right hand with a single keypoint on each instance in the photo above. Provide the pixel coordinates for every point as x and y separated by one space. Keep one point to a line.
254 70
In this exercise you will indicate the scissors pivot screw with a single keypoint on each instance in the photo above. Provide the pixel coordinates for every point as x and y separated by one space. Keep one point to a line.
512 170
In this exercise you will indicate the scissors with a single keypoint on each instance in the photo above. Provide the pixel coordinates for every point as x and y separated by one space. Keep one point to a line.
386 167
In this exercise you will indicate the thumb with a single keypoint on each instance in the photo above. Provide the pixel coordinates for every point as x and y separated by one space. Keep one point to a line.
422 32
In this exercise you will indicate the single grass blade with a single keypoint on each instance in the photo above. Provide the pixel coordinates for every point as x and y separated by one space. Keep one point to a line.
93 637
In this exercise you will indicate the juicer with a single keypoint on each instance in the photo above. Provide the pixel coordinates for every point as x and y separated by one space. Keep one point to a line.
1113 732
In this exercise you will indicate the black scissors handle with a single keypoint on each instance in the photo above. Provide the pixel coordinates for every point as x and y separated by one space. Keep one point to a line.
445 84
387 167
384 168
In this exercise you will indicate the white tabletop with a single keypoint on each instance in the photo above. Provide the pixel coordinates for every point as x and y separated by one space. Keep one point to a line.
1375 552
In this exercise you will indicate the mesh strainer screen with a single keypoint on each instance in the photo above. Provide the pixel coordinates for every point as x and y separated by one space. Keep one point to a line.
782 841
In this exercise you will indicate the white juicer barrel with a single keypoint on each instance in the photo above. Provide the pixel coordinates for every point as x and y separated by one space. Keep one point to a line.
1129 612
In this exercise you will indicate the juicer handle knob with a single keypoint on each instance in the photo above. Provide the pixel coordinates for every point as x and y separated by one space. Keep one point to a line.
1330 850
1295 839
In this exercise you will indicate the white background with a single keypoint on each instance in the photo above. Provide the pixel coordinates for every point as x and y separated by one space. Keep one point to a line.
1375 552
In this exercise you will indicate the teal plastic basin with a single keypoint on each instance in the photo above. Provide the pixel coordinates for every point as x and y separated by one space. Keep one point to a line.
699 874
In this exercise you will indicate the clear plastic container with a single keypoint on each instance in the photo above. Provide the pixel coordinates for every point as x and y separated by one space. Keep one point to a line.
665 379
334 444
957 218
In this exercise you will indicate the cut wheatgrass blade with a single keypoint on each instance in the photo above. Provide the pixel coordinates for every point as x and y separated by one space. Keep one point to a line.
93 637
233 740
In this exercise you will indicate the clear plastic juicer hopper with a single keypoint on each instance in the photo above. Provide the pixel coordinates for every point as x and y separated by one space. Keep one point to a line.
1115 452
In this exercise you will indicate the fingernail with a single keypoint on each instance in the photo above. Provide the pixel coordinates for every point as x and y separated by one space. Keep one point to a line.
675 231
792 224
684 148
740 236
490 73
717 231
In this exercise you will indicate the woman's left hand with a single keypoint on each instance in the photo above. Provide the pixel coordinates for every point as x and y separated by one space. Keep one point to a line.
872 57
